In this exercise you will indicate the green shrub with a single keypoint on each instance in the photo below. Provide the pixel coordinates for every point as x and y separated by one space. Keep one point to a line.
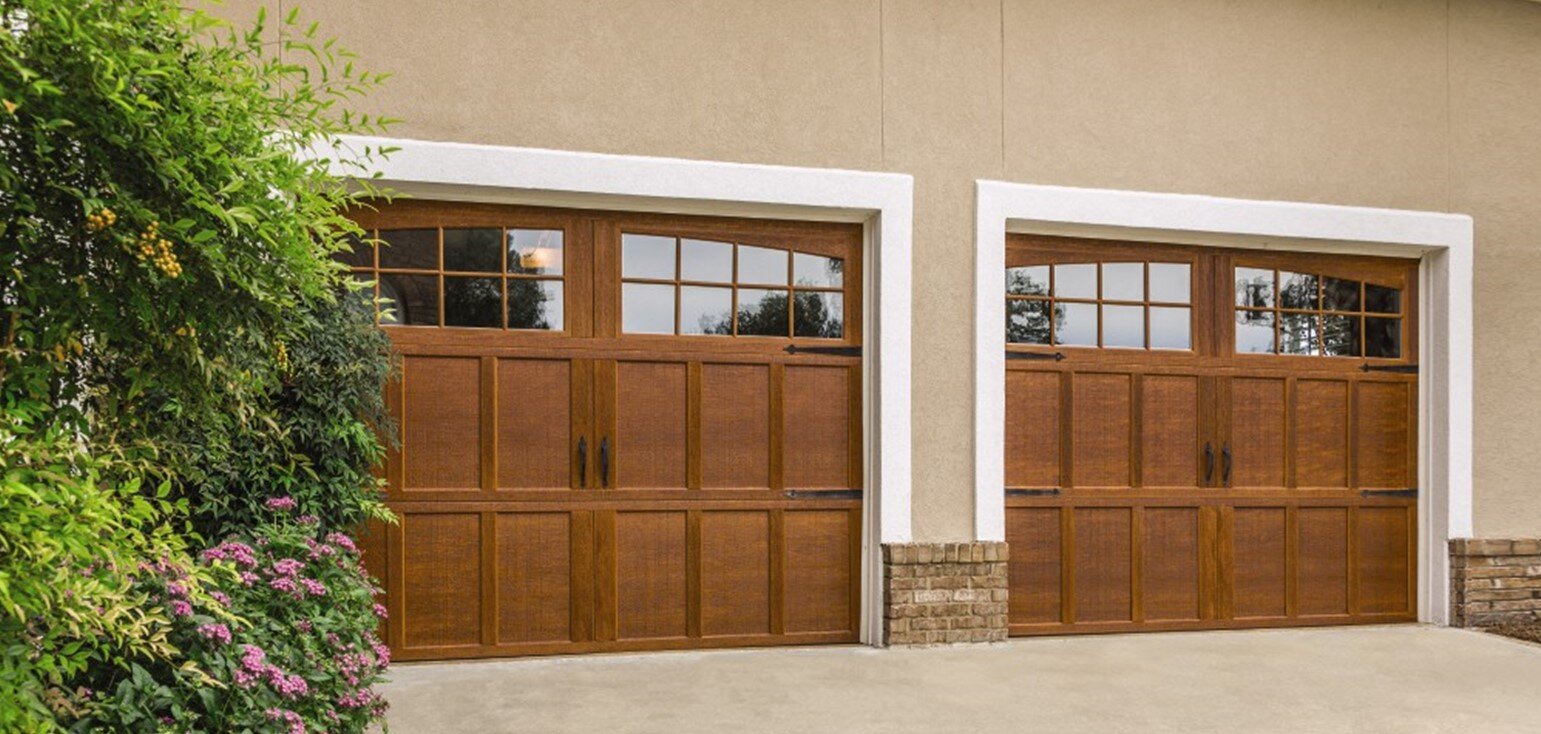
71 543
300 655
324 441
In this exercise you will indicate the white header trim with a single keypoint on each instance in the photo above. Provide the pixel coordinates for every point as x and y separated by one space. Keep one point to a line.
881 201
1443 242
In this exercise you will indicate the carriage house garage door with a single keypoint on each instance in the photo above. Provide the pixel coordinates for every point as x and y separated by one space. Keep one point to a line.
619 432
1202 438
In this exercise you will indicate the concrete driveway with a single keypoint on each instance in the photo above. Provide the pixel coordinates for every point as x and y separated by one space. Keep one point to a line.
1403 679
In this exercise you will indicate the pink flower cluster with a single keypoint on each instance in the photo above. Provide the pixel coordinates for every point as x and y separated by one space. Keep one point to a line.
296 724
284 503
255 668
217 632
240 553
342 541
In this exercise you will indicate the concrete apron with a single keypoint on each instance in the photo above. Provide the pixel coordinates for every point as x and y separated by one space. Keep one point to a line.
1402 679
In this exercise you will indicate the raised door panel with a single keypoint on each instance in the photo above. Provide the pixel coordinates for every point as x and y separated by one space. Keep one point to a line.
534 575
1171 579
1321 578
735 573
535 411
1258 584
1383 536
1101 421
818 547
650 575
1035 570
1321 434
441 579
1257 421
441 423
1383 425
816 427
1032 429
1169 431
1103 560
650 425
735 426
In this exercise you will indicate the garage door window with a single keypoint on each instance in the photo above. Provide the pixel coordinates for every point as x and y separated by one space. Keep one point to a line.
679 285
1286 312
1116 305
481 277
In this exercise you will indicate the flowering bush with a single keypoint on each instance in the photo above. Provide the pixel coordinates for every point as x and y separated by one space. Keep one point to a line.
287 643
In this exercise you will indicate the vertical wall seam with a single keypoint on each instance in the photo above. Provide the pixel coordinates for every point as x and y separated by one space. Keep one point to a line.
1449 113
1003 88
882 91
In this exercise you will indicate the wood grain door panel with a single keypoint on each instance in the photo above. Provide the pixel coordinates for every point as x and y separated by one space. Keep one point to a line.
1209 487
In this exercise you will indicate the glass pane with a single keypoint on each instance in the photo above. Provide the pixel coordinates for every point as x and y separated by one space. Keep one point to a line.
1300 333
1027 322
1340 295
1028 281
647 256
817 271
473 301
1254 289
706 310
360 252
1169 282
409 248
1381 299
472 250
1382 337
819 315
708 261
409 299
1254 332
1340 336
537 251
762 265
647 308
1297 290
1075 281
1075 324
1170 328
762 312
1123 326
536 304
1123 281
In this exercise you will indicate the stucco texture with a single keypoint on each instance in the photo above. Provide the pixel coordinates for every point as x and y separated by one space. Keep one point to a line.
1420 104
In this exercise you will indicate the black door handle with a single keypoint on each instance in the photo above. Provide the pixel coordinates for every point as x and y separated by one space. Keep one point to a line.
1225 471
1209 462
583 462
604 461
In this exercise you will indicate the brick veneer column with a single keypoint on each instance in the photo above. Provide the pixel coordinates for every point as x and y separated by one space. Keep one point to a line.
1495 581
937 593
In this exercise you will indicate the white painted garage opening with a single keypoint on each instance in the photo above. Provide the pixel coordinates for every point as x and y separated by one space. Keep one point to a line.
1441 243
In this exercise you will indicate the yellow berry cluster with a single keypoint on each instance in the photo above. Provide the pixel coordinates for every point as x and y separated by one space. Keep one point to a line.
281 357
101 220
157 249
187 331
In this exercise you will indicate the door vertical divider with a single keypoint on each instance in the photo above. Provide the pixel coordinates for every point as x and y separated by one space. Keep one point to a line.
693 425
488 426
489 577
1291 560
606 606
581 537
778 378
1137 562
693 574
1067 564
778 571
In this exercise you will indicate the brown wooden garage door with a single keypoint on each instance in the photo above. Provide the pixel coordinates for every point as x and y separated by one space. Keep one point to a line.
608 439
1199 438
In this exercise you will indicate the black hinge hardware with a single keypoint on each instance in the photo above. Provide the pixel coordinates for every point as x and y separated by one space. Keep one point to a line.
1049 492
1409 492
823 494
1406 369
1057 356
832 351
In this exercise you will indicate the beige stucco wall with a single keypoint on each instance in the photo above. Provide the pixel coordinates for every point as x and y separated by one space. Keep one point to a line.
1418 104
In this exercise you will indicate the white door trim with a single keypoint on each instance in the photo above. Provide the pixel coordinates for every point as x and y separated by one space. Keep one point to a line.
882 202
1442 242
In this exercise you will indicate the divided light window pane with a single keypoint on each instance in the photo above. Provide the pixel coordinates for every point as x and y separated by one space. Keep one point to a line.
647 308
762 266
707 261
1075 281
817 271
1123 281
1170 282
647 256
535 251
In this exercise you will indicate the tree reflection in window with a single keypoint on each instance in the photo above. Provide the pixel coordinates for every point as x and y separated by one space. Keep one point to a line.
1315 315
1129 305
